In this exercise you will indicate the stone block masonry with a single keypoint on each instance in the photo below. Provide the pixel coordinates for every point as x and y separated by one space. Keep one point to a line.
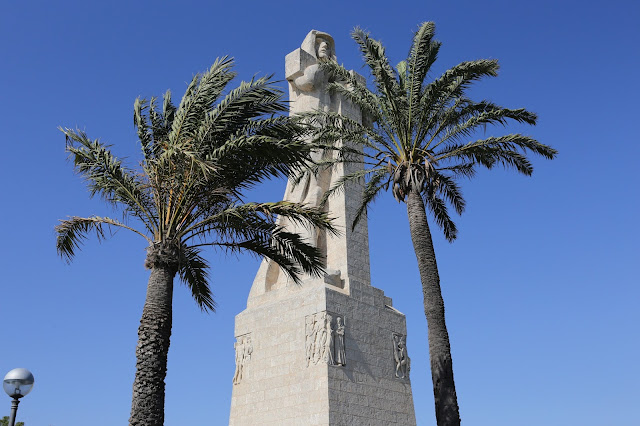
280 386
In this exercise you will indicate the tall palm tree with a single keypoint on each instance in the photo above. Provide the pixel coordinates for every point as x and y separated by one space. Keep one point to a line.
417 145
185 196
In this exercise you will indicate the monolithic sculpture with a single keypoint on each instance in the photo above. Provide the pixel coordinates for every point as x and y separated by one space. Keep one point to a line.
308 92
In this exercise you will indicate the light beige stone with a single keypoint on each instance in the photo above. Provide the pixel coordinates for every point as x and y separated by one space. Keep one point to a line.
292 375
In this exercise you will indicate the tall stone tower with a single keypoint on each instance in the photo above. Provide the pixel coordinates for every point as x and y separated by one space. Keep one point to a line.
331 351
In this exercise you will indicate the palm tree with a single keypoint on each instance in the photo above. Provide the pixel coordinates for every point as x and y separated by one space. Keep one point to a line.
417 146
186 195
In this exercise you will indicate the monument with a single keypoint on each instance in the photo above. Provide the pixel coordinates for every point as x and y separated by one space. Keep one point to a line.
331 351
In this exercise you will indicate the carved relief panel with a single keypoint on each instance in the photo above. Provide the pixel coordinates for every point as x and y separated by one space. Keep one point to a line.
243 355
324 341
400 356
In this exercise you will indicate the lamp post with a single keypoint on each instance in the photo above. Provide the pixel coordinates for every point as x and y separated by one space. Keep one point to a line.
17 383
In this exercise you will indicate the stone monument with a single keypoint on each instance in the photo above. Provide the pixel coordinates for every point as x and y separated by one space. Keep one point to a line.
331 351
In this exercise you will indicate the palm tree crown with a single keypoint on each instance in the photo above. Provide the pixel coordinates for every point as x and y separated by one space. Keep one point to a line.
197 159
416 143
186 194
417 137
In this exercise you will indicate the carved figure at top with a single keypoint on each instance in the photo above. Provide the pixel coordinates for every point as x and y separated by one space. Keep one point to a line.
307 81
308 92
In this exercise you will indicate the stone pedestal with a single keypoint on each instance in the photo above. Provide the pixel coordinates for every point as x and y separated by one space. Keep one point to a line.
331 351
280 385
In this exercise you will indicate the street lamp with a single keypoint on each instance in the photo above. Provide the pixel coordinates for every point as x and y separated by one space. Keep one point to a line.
17 383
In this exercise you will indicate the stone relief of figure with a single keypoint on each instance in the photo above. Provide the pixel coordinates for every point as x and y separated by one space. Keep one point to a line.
323 342
239 352
244 349
321 337
309 338
400 356
327 350
340 355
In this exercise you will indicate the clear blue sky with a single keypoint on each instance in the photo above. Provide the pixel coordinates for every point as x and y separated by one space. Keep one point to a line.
541 288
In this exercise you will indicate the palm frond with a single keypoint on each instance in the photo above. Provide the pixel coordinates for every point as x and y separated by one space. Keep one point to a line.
168 112
502 150
247 160
448 188
401 70
352 87
141 123
461 170
193 273
378 182
161 120
462 122
254 220
72 232
299 255
199 97
440 93
439 211
423 53
329 130
288 250
108 177
248 101
373 54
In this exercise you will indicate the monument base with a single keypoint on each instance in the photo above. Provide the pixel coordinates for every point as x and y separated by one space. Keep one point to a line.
318 354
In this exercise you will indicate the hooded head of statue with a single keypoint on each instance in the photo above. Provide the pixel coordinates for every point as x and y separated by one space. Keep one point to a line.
320 45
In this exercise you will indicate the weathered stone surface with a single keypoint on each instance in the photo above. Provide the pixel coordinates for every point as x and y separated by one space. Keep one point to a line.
293 376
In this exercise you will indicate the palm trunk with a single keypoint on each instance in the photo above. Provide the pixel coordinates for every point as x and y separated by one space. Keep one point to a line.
147 405
444 389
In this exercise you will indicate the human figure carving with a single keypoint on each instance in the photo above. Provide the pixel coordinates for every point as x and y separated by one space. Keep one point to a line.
238 347
320 336
327 353
247 351
311 78
308 92
340 355
244 349
308 83
400 356
309 338
323 342
239 354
